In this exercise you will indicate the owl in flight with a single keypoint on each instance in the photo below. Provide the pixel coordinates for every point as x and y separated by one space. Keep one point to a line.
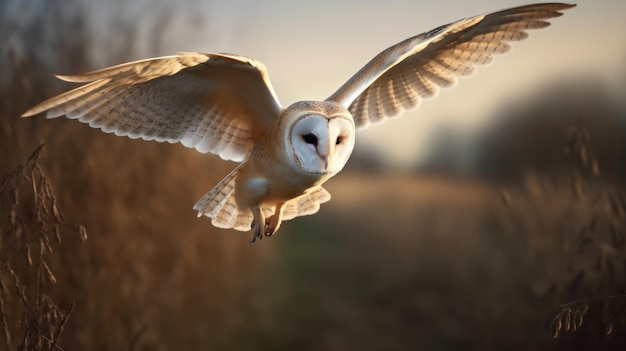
225 104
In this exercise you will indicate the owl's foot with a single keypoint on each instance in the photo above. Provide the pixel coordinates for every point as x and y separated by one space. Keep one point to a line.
266 226
273 222
271 226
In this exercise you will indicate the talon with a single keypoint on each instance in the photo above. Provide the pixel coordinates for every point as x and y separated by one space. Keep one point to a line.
255 234
265 226
273 221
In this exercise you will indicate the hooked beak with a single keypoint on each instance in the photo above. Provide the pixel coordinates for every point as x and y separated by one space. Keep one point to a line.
324 151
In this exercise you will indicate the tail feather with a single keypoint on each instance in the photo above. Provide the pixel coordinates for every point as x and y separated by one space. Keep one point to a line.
231 216
219 205
211 203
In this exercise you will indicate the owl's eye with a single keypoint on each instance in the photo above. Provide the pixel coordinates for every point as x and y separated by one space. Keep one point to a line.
310 139
338 141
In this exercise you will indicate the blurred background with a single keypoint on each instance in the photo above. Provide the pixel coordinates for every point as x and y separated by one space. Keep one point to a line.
490 218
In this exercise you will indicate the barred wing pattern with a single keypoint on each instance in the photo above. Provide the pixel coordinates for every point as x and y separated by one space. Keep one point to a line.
400 77
306 204
217 103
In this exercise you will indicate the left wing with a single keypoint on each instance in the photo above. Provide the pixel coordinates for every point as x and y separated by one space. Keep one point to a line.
401 76
217 103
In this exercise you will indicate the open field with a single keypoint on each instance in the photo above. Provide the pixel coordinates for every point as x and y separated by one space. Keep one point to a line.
393 261
440 264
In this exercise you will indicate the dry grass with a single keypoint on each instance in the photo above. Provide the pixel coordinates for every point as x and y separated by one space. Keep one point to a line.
34 220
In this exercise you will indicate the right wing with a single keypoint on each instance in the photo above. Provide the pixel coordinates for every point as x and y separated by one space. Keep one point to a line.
399 78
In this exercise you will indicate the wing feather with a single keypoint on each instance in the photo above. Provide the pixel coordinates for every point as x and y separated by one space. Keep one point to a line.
306 204
401 76
218 103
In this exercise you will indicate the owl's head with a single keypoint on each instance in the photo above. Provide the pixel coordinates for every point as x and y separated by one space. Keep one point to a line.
320 136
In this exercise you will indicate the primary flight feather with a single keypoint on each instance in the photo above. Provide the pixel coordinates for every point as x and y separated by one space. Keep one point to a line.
225 104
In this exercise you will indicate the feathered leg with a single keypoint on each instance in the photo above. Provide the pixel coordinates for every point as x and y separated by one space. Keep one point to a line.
258 224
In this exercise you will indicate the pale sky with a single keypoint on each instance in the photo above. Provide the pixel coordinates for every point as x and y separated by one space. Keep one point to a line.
310 48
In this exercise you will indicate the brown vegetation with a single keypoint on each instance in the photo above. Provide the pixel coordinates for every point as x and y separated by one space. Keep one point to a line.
150 267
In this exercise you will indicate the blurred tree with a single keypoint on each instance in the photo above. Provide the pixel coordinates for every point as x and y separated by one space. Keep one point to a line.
530 133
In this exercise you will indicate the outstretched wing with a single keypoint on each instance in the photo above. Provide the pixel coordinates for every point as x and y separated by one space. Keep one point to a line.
401 76
218 103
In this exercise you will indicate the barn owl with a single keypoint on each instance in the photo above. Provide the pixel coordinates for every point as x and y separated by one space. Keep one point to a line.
225 104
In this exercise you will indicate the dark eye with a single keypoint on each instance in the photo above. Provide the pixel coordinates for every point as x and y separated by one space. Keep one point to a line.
310 139
338 141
